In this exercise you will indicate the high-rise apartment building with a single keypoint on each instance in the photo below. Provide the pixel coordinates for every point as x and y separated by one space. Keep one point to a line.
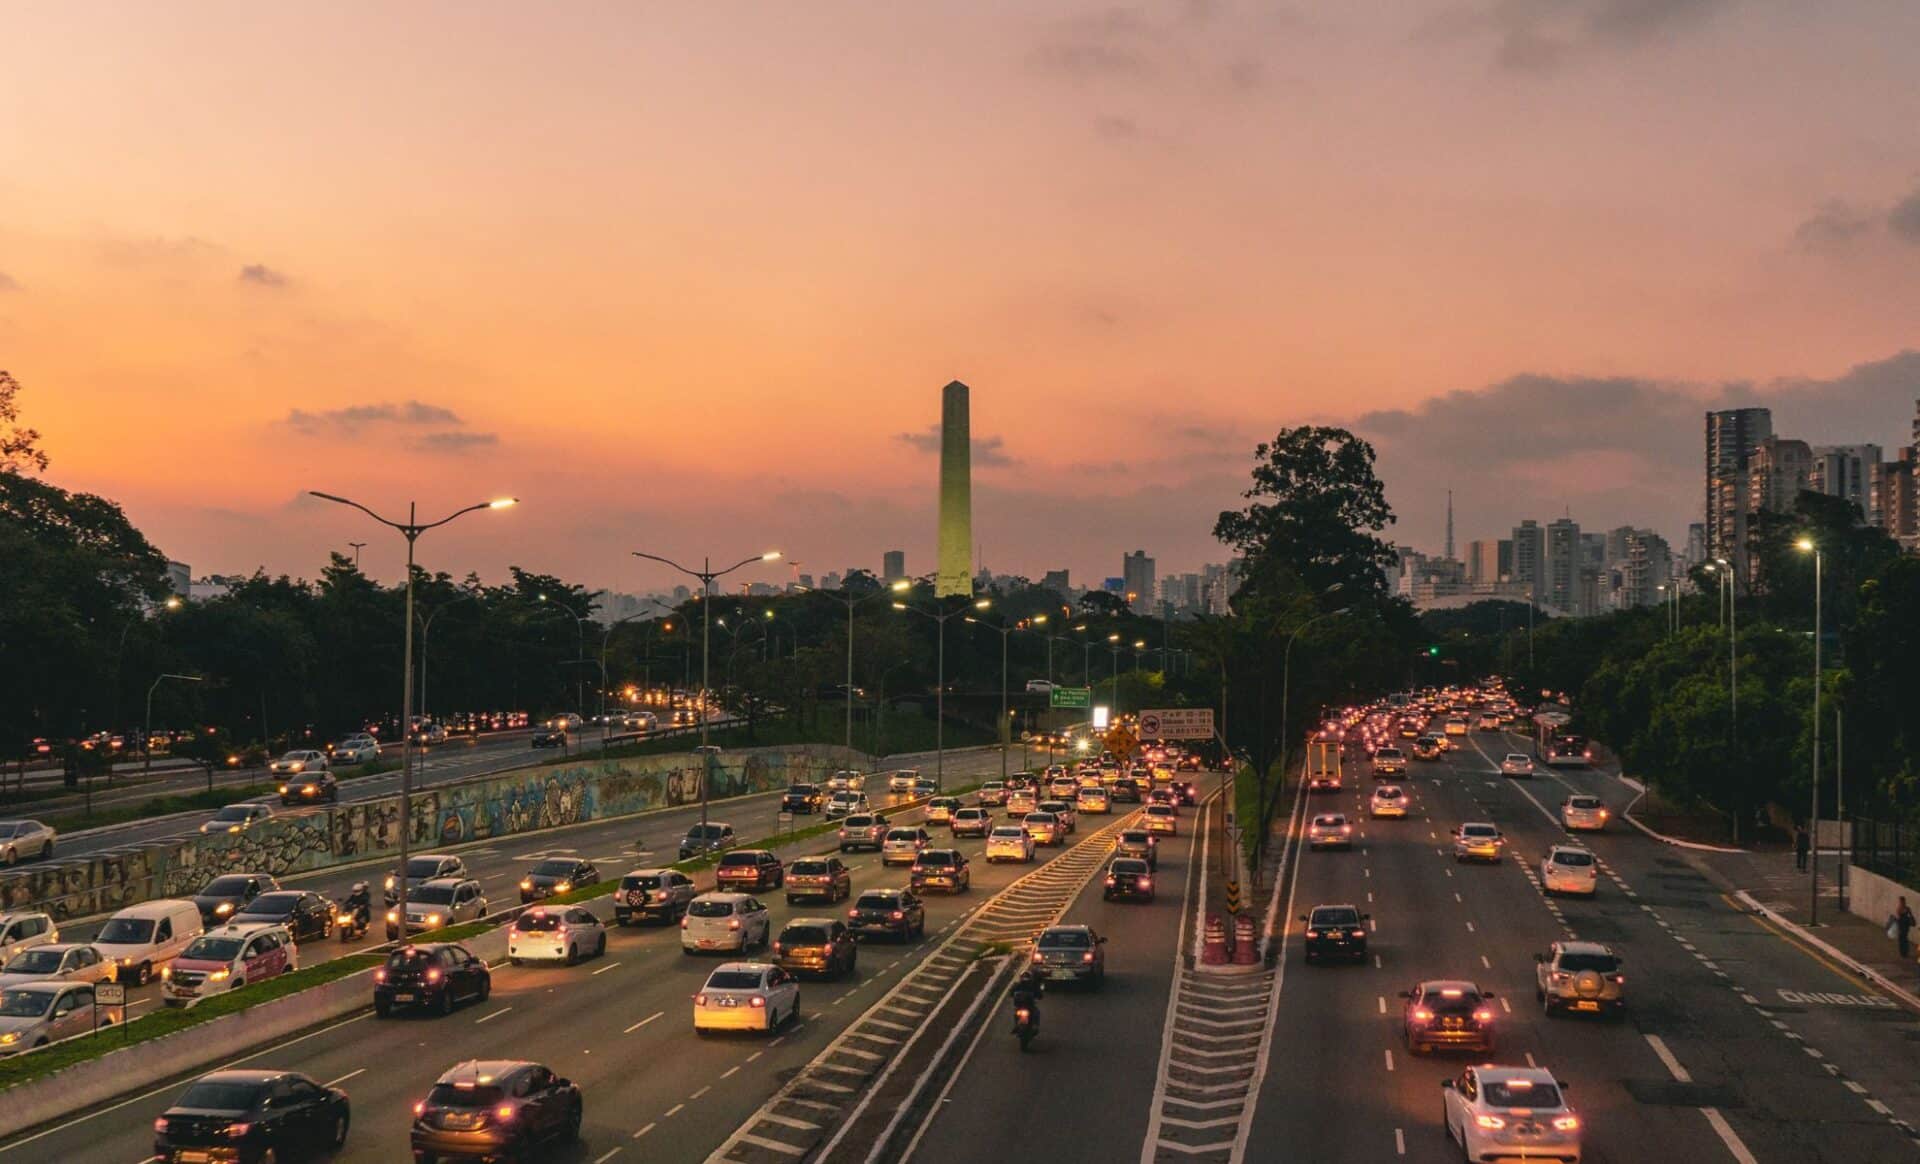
1846 472
1777 470
1529 558
1506 559
1732 436
1056 581
1897 501
1138 575
893 566
1483 562
1563 562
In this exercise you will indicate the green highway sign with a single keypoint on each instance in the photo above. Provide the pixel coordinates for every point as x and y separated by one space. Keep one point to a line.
1071 697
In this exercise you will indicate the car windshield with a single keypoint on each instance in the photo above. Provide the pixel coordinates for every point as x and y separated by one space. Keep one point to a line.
553 869
208 1096
1520 1093
226 887
122 930
875 901
235 812
734 980
711 909
213 949
1129 866
711 831
859 822
25 1003
733 860
1571 857
800 790
803 936
1067 939
1584 802
35 962
274 904
1602 963
461 1095
1451 1000
432 895
423 866
1335 917
537 922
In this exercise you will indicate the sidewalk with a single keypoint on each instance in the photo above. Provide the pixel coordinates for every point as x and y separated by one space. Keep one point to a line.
1769 876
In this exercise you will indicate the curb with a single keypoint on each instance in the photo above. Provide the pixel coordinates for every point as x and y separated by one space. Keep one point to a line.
1696 846
1799 931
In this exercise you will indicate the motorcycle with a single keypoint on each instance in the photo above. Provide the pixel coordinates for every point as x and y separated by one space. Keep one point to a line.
1026 1023
351 918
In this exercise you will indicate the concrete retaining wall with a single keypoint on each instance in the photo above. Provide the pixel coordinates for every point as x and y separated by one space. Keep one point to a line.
493 806
1874 897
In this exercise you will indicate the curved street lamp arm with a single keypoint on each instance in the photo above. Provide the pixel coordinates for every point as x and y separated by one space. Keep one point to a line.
668 562
358 506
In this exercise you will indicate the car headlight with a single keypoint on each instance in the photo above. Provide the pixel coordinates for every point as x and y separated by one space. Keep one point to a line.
393 916
219 976
283 792
562 886
224 907
433 919
10 1038
526 883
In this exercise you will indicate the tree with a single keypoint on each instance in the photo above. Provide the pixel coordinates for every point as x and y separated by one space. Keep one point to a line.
1103 604
18 446
1316 506
1881 689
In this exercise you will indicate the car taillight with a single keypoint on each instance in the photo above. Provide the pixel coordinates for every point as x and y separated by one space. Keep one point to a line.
1619 979
757 1002
1565 1123
1483 1016
1487 1121
1038 957
238 1130
380 975
1423 1015
503 1113
1087 957
1356 933
733 923
160 1126
1145 883
699 1000
899 915
1110 881
853 913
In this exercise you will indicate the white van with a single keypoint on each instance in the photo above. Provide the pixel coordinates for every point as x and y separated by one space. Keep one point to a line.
140 939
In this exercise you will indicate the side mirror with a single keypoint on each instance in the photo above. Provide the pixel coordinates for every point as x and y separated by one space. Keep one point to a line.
562 1082
1446 1085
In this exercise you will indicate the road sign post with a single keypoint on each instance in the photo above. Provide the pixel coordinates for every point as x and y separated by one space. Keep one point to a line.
110 996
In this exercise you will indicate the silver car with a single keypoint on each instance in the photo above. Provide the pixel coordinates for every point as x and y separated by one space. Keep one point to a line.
725 921
25 840
1583 814
39 1013
1517 764
438 904
1581 977
296 762
1500 1113
236 818
57 962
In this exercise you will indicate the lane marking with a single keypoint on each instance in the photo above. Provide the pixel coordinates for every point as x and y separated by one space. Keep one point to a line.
609 1155
604 969
643 1131
344 1078
1389 1060
675 1110
643 1022
490 1017
1399 1142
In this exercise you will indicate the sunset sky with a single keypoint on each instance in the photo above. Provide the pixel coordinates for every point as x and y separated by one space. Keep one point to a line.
688 278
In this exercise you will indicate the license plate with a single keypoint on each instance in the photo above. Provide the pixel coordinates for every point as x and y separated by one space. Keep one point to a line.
728 1002
707 943
403 998
1586 1006
192 1157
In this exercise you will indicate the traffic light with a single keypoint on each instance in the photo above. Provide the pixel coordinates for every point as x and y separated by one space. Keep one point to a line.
1434 650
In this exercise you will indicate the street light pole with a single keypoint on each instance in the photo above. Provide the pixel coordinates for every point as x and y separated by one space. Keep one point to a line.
1005 633
706 574
146 723
940 684
1806 545
411 529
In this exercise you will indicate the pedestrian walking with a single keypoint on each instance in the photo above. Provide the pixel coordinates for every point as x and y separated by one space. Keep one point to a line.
1802 845
1901 924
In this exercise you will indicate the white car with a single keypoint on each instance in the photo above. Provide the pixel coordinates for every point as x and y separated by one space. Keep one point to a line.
567 933
56 962
1478 840
296 762
39 1013
1092 799
1388 800
1160 818
1330 830
445 901
25 930
846 780
236 818
24 840
356 749
1583 814
725 921
903 845
902 781
1569 869
1499 1113
746 996
1039 687
971 822
845 803
227 959
1517 764
1009 843
1063 811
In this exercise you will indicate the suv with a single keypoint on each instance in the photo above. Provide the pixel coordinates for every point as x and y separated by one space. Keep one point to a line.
1447 1014
865 830
1138 843
807 798
888 911
845 802
1569 869
940 869
711 837
1579 976
496 1110
750 870
654 894
437 904
1074 952
1583 813
903 845
435 976
993 793
424 868
816 945
971 822
825 878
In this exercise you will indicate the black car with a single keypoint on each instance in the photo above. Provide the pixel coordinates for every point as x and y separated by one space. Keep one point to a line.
1187 791
1448 1014
816 945
551 737
435 975
307 916
807 798
229 893
1126 790
310 788
896 912
1128 879
940 869
1336 931
556 875
244 1116
496 1110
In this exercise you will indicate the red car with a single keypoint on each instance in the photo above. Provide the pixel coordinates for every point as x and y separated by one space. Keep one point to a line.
749 871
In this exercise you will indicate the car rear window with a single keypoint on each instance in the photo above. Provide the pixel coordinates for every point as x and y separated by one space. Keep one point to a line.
464 1096
1331 821
903 834
528 923
220 1096
734 980
1567 857
1335 917
1575 963
1132 866
811 868
647 882
803 936
1479 831
938 857
971 813
1584 802
1067 939
710 908
1007 831
875 901
733 859
859 822
409 960
1521 1093
1445 1002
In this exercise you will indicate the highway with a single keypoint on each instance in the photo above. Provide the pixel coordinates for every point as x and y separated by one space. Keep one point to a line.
620 1026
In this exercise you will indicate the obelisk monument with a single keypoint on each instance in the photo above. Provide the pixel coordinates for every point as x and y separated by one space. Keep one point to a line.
956 494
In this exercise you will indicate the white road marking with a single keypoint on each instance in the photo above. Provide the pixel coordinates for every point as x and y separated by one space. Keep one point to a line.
755 1055
610 1155
730 1071
1399 1142
643 1131
1383 1004
1389 1060
675 1110
1505 1005
1485 963
490 1017
1469 927
1530 1061
607 967
344 1078
643 1022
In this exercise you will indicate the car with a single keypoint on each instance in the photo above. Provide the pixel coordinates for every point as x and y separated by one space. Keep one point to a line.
821 946
1062 787
971 822
1389 762
902 781
437 904
226 959
306 916
750 871
895 912
1489 721
1500 1113
434 975
1165 796
424 868
652 895
248 1116
566 933
1330 830
1187 791
1044 827
495 1110
1478 841
803 798
1160 818
354 750
228 893
1071 953
903 845
1009 843
1569 869
548 737
296 762
556 875
1125 790
25 840
1039 686
1336 931
235 818
1582 977
993 793
846 780
724 921
1516 764
1581 813
310 787
567 722
1447 1013
926 786
940 869
1138 843
845 803
746 996
1388 800
1128 879
1093 799
701 839
34 1014
140 939
823 878
25 929
1064 811
1021 801
55 962
940 809
1569 752
1456 725
864 830
1426 748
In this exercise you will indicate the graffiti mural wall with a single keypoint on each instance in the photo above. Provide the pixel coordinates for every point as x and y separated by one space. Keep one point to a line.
496 806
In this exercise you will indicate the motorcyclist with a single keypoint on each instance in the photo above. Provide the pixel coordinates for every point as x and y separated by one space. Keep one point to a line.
1027 990
359 904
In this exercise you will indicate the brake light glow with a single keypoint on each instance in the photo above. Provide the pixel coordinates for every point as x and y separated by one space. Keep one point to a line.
1423 1015
1313 933
1487 1121
1483 1015
1087 957
853 913
1356 933
757 1002
1145 883
1565 1123
433 974
699 1000
733 923
503 1112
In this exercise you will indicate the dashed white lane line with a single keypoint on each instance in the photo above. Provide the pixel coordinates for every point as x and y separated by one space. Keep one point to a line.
733 1070
1383 1004
643 1022
675 1110
1734 1145
1469 927
643 1131
1483 962
1505 1005
490 1017
1389 1060
755 1055
1399 1142
1530 1061
701 1092
609 1155
603 970
344 1078
1659 1046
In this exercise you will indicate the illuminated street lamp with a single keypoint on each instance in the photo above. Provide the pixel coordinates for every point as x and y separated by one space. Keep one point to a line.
1807 546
